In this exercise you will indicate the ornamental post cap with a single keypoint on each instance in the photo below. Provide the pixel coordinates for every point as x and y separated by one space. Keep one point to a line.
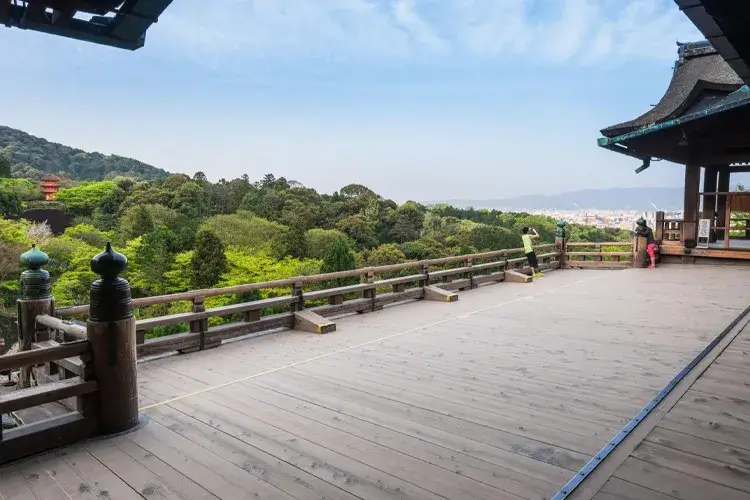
34 258
109 263
641 221
560 223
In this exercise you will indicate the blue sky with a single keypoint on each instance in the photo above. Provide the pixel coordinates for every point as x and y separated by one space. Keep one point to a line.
418 99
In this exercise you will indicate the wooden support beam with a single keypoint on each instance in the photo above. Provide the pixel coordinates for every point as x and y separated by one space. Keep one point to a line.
710 174
690 211
722 186
438 294
516 277
308 321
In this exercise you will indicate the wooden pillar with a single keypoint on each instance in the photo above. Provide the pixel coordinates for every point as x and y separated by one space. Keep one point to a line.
111 331
722 186
710 175
36 298
690 210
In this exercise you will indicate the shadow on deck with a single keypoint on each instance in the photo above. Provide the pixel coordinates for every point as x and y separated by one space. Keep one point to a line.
504 394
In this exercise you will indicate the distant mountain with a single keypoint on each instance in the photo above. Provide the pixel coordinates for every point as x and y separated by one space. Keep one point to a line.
31 156
603 199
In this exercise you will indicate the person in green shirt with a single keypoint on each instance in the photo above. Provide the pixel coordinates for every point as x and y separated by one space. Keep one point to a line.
528 249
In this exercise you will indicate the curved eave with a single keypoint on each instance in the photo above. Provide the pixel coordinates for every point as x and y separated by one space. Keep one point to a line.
739 99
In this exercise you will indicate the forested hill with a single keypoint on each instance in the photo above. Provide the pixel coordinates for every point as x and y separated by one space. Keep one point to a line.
31 156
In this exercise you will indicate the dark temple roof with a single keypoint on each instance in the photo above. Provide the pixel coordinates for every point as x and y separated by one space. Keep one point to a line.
116 23
726 24
701 78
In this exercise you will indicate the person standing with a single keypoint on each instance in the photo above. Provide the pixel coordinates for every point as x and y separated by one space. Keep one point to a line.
528 248
643 230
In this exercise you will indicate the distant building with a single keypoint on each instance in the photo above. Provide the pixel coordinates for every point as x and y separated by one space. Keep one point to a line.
50 186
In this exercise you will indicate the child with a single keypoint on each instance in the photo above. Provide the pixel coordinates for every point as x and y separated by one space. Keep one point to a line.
528 249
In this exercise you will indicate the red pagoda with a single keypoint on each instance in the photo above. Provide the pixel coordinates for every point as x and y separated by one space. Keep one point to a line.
50 186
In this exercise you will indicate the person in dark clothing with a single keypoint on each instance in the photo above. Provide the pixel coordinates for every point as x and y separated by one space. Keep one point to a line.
643 230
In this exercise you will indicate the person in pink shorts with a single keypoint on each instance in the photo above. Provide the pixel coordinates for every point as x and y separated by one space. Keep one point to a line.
645 231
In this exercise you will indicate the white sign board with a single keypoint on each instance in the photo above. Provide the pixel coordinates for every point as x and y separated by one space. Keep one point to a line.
704 233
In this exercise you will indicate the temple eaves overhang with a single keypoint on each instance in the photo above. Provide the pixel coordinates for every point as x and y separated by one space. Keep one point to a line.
702 116
116 23
726 25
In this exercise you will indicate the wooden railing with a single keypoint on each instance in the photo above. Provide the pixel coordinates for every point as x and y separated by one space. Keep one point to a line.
584 255
78 424
671 230
90 368
313 293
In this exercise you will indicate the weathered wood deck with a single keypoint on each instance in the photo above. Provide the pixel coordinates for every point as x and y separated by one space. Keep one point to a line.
504 394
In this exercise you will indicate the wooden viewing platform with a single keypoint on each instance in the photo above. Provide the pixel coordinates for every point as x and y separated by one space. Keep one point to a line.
506 393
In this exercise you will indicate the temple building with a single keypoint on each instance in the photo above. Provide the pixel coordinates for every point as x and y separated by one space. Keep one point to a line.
703 123
50 185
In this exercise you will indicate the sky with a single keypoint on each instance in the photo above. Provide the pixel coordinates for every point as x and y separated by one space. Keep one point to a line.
417 99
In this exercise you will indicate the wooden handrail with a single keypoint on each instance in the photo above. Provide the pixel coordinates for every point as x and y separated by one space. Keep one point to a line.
45 355
72 329
606 243
601 254
45 393
302 280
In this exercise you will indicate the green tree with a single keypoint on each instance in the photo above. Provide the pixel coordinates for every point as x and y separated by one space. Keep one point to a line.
318 241
10 205
340 257
358 229
5 171
407 222
155 257
84 198
136 221
208 262
190 200
385 255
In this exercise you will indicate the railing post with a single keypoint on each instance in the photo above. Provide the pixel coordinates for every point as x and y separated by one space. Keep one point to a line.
426 272
560 243
297 292
659 229
111 331
36 298
369 293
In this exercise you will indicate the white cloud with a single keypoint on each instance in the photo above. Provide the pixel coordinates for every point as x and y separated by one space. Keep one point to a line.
426 31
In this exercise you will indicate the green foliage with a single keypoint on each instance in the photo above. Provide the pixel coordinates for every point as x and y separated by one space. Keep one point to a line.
407 221
10 205
12 231
84 198
90 235
385 255
31 156
245 230
340 257
5 171
359 229
318 241
208 261
155 256
23 188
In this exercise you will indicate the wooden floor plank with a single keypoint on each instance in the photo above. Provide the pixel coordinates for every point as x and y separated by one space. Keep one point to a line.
674 483
617 489
144 472
731 476
731 455
504 394
14 485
